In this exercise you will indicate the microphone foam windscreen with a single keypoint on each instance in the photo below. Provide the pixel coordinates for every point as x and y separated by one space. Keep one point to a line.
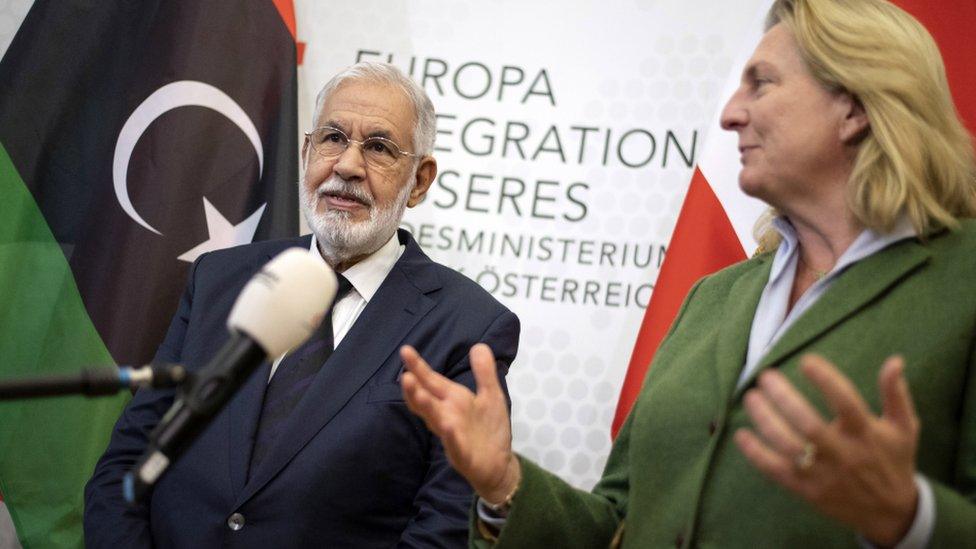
285 301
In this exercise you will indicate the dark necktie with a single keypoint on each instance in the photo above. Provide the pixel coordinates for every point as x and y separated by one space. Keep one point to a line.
290 380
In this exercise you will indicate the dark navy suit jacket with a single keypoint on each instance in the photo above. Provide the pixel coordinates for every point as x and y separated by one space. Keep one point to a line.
353 467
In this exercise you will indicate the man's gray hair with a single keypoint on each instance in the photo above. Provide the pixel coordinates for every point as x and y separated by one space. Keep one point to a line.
425 124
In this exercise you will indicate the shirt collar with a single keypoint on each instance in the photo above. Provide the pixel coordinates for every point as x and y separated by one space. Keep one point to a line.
367 275
787 247
866 243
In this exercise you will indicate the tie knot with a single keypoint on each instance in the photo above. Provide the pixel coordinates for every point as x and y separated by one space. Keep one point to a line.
344 287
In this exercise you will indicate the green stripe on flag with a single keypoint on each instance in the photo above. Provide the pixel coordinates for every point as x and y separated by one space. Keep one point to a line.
48 447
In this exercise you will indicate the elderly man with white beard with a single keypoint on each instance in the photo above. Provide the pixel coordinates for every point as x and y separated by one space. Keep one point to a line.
318 449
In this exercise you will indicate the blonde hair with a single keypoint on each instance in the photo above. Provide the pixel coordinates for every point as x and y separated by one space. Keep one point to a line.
917 157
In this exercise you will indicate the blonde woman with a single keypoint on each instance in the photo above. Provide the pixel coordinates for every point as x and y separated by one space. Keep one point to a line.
821 394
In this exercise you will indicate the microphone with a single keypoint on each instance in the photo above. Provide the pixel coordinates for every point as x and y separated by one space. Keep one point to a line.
278 309
95 381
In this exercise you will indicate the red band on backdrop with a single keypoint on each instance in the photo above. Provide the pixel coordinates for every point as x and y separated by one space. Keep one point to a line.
951 24
703 242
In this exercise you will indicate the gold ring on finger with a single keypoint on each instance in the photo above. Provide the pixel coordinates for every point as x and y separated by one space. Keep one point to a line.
807 457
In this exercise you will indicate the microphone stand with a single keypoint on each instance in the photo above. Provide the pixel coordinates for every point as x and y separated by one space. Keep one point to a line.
93 382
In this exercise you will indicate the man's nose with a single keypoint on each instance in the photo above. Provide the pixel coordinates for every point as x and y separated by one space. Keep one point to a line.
351 165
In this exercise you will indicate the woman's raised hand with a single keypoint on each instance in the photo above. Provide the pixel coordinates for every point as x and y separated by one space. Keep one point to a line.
474 427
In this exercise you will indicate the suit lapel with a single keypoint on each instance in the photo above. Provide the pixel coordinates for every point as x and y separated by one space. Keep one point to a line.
378 332
855 288
245 408
738 313
245 411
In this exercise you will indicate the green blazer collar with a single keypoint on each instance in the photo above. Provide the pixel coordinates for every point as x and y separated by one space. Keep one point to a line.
853 290
737 315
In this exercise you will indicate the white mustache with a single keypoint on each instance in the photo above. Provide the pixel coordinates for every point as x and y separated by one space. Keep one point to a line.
336 185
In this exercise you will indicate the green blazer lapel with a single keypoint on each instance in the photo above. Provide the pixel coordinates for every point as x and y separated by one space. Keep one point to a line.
855 288
737 314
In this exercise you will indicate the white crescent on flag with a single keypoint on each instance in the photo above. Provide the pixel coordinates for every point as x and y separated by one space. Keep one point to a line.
184 93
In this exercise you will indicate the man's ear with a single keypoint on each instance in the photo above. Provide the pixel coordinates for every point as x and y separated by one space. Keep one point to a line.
423 178
855 124
305 151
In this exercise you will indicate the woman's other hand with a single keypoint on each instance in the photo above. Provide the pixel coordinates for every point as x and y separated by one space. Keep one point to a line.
858 468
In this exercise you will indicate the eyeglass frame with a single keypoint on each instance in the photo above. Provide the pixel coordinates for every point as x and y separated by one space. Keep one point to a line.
349 141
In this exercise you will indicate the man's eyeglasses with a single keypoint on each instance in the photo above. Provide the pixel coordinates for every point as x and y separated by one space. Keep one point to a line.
378 151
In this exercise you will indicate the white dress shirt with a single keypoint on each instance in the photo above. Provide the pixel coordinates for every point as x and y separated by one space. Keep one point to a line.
366 278
772 320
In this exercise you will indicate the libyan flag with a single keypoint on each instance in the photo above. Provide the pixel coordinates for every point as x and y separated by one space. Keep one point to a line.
134 136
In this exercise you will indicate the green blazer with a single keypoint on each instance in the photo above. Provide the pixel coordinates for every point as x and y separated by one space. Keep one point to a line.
676 479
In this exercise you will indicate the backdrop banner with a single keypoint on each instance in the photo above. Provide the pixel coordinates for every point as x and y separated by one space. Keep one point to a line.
567 135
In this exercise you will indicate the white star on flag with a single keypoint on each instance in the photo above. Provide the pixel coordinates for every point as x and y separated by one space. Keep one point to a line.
222 233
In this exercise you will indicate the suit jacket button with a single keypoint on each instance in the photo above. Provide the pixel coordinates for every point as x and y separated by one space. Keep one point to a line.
235 522
679 541
712 427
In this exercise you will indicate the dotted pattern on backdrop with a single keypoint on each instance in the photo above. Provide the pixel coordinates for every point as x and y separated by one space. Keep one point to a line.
564 400
566 378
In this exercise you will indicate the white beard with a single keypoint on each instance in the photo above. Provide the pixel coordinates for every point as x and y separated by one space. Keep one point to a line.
339 237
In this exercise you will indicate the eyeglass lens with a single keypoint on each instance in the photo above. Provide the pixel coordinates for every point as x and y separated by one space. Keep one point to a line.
331 142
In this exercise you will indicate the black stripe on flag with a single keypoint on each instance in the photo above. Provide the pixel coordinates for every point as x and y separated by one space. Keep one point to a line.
197 99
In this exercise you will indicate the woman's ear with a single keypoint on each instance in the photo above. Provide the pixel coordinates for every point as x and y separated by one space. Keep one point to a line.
855 124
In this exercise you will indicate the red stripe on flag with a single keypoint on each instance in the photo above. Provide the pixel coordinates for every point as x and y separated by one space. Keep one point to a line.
287 10
703 242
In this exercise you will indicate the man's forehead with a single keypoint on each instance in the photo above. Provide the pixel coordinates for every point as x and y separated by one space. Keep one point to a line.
368 127
373 108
